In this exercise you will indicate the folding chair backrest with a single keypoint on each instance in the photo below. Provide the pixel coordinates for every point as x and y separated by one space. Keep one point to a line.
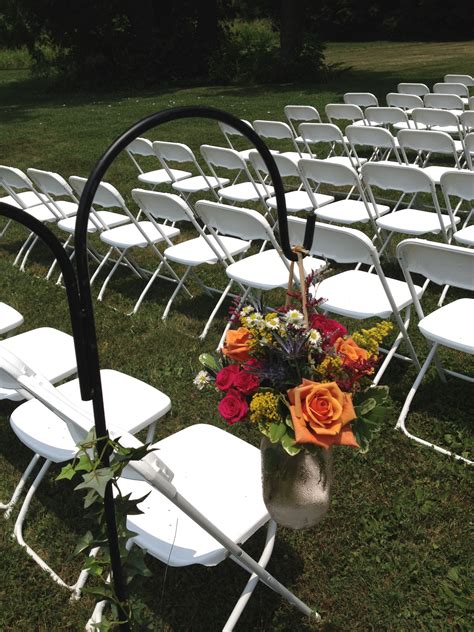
15 179
301 113
228 130
451 88
341 244
426 140
320 133
404 101
106 194
386 116
458 183
417 89
273 129
222 157
162 205
403 178
141 147
51 183
469 147
443 264
370 136
234 221
344 111
467 121
324 172
466 80
434 116
362 99
174 152
443 101
471 103
286 166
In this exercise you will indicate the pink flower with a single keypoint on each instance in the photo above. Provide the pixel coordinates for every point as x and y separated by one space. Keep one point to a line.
225 379
233 406
328 328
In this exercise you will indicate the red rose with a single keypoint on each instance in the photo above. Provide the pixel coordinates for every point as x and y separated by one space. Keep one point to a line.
226 377
246 383
233 406
328 328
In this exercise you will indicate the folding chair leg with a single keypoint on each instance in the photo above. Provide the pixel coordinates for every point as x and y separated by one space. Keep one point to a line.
175 293
102 264
25 245
110 275
443 295
5 228
253 581
9 506
27 253
401 423
215 310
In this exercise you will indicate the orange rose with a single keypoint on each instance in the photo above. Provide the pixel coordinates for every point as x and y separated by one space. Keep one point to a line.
350 351
236 345
321 412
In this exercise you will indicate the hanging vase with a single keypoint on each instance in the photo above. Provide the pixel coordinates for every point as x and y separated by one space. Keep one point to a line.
296 489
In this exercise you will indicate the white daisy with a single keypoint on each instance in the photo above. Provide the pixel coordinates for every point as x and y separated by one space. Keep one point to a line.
314 337
202 379
255 320
272 323
245 311
294 317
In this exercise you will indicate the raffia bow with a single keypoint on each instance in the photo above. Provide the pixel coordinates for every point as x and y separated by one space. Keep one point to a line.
300 251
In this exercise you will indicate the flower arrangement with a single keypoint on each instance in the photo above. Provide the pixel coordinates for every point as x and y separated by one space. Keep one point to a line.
301 378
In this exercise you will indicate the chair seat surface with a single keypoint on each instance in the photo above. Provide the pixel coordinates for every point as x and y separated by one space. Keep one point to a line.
28 198
160 176
47 351
199 183
196 251
300 201
414 222
129 404
9 318
67 208
42 213
245 192
360 295
109 218
295 156
344 160
435 172
465 236
348 211
221 476
266 270
451 325
129 235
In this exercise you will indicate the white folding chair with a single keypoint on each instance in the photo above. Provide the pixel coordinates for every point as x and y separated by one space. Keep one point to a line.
362 99
297 114
406 102
438 121
297 200
346 211
10 319
345 112
179 153
355 293
318 137
381 142
444 102
388 117
418 89
194 252
460 186
427 144
229 131
263 271
411 220
237 192
448 326
144 147
280 131
452 88
468 141
466 80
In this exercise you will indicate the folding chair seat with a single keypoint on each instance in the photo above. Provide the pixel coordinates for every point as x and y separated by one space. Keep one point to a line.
448 326
418 89
345 112
459 185
238 192
362 99
282 132
180 153
425 144
229 131
406 102
355 293
388 117
266 270
452 88
450 102
133 234
407 180
297 200
144 147
347 211
466 80
381 142
200 250
317 136
297 114
10 319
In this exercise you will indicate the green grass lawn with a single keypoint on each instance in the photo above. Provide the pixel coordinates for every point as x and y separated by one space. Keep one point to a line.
395 551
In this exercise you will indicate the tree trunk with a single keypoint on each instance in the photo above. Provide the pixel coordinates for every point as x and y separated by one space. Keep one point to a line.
291 30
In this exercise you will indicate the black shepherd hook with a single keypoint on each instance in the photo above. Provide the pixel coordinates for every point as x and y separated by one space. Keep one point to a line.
78 283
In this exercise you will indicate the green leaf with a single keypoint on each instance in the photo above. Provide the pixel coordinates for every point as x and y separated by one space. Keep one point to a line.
367 406
289 445
97 480
84 543
276 432
210 362
67 472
